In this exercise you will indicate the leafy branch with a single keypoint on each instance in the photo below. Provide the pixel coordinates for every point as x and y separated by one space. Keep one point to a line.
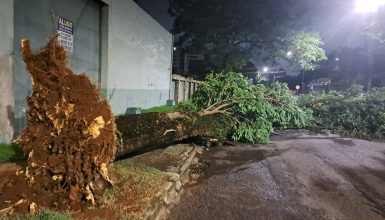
256 109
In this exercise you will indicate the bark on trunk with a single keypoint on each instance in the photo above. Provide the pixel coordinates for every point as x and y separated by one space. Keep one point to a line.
152 130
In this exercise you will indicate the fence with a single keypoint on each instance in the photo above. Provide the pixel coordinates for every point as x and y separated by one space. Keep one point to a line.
183 87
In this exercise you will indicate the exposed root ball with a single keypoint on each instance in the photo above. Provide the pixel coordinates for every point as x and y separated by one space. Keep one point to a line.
70 135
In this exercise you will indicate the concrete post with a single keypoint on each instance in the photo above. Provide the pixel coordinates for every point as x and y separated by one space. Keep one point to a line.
191 88
177 88
186 90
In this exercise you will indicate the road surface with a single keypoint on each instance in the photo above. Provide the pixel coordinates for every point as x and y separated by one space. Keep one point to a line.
298 176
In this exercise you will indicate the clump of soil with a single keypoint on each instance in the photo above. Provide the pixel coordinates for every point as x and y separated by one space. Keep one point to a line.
70 136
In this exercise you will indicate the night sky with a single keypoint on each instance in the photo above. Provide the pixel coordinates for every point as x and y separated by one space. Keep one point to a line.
338 29
158 10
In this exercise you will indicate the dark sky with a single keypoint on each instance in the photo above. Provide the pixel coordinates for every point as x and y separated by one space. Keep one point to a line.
339 29
158 10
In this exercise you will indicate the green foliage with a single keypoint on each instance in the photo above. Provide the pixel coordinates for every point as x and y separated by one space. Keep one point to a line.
351 113
306 49
186 106
223 86
10 153
354 91
257 109
374 27
46 214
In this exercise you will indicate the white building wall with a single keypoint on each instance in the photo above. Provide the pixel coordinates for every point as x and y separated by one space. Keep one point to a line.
6 78
33 20
139 58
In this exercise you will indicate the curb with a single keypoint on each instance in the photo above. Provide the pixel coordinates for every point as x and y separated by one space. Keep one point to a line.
172 189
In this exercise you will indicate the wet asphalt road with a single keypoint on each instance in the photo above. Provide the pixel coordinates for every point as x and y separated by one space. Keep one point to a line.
298 176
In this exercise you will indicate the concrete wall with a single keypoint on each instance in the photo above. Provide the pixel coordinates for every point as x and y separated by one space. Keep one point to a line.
139 58
33 20
6 79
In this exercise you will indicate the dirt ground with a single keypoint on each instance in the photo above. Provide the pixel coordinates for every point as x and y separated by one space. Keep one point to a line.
298 176
135 186
138 182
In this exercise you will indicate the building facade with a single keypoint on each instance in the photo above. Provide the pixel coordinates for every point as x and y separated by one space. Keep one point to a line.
118 45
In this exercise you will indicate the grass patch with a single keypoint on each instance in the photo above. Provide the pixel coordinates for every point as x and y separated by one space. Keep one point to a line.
45 214
165 108
135 190
10 153
143 179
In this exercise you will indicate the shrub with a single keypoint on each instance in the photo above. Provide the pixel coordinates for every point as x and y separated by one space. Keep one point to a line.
351 113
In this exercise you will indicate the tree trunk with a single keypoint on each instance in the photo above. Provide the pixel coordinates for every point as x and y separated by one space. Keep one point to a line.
154 130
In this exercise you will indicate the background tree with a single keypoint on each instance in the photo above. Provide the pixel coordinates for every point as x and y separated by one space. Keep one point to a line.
305 49
229 32
375 26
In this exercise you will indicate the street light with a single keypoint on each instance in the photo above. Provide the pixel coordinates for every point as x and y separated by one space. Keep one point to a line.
265 69
297 87
289 54
368 6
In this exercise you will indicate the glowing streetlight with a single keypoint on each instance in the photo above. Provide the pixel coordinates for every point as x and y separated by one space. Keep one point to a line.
297 87
289 53
265 69
368 6
337 59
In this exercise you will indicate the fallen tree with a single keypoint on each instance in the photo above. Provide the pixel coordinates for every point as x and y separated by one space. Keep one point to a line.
70 135
225 106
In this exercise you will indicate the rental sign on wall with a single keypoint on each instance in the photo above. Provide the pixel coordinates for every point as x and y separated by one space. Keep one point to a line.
65 32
